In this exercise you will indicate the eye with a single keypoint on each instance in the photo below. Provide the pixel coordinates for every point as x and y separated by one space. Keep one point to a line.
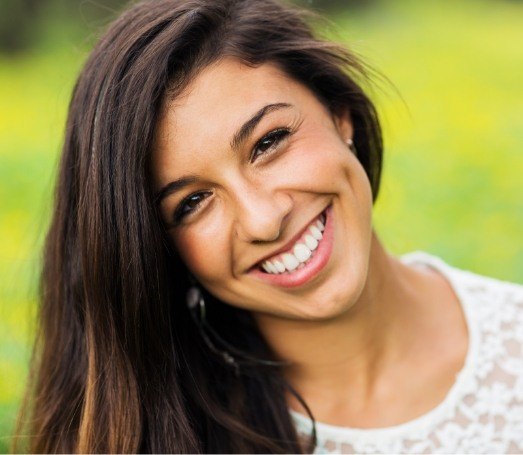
189 205
269 142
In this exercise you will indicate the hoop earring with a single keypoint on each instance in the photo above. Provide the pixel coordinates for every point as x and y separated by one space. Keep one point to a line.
231 355
352 147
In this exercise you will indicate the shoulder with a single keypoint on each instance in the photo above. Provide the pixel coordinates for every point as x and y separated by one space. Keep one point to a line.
493 309
494 303
485 293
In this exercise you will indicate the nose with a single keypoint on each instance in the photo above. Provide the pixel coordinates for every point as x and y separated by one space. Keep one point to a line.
260 213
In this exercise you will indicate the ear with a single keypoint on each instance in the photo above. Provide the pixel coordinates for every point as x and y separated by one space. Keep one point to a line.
343 124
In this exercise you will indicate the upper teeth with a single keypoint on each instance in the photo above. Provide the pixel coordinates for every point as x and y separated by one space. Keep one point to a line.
299 253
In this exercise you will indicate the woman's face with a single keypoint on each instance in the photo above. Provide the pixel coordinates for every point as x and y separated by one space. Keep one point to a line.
261 196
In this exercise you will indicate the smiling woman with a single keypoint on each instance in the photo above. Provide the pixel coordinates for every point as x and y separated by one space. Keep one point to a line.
212 280
262 193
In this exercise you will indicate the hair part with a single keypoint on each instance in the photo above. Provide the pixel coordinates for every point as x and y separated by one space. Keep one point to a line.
118 365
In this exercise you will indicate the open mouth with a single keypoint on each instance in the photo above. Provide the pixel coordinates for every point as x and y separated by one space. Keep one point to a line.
299 254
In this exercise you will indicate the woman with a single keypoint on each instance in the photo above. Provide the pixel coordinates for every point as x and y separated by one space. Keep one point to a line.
212 282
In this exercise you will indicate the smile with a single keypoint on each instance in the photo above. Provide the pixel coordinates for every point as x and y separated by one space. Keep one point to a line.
300 253
305 259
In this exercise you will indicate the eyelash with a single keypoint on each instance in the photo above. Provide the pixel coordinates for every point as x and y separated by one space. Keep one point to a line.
180 213
276 136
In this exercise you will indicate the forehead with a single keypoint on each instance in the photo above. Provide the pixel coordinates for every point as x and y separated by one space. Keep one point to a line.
215 103
229 86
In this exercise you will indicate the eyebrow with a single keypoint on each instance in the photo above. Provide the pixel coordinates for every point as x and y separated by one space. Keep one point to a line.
172 187
248 127
239 137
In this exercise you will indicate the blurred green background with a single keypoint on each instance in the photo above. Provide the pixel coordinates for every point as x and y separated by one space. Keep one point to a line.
452 181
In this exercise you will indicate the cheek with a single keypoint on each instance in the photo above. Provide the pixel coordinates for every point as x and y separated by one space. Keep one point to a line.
205 250
332 165
320 166
356 179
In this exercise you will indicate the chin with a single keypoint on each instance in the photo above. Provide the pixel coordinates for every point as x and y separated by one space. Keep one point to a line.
332 301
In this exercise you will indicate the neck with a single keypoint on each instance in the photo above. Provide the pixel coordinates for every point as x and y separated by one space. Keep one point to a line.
352 351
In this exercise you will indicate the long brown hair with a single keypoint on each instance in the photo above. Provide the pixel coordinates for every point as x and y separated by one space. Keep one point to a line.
119 366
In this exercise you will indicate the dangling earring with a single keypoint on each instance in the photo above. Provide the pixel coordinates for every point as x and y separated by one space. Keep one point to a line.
352 147
196 305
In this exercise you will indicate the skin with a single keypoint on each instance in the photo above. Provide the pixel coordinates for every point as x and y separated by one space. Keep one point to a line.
372 342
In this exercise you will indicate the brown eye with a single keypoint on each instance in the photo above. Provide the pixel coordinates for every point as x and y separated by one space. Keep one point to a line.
189 205
269 142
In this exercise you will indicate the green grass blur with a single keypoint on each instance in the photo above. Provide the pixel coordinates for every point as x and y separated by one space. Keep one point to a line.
452 180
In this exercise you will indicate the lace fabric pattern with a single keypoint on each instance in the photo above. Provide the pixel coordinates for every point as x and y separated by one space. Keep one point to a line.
483 410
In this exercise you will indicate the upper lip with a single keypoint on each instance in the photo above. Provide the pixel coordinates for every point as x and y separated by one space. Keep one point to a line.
291 242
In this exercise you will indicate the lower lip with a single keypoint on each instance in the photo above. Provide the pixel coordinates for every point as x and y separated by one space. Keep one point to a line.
312 268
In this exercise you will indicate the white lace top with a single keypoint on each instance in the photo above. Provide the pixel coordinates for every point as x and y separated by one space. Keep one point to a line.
483 410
